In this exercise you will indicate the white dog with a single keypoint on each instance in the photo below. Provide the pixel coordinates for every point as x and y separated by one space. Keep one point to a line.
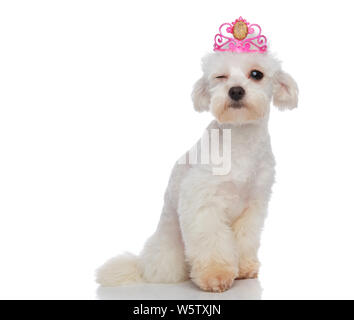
210 226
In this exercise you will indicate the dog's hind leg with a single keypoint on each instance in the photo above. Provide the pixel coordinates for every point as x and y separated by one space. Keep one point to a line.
162 259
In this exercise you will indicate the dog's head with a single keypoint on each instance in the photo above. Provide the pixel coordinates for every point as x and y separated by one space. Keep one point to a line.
238 88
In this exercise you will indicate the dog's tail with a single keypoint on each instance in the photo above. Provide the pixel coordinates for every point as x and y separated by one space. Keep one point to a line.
122 269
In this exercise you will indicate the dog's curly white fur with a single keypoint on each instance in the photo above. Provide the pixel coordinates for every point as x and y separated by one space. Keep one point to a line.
210 226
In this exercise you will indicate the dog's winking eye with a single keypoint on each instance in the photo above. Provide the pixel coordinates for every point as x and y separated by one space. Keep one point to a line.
256 75
221 77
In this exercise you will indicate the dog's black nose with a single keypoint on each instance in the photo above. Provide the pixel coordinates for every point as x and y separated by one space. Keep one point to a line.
236 93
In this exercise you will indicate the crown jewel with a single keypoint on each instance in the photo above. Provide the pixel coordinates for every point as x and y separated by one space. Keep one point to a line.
240 36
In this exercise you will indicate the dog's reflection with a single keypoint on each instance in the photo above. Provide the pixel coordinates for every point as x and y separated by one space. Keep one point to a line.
241 290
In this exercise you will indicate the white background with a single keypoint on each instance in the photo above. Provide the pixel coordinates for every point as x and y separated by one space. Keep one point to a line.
95 108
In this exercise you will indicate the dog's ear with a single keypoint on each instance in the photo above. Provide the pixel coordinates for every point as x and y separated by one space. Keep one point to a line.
285 91
200 95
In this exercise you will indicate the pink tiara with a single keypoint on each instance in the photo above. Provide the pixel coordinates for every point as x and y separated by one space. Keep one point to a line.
245 37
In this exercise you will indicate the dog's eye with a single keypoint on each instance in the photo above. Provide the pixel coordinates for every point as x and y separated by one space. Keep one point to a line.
221 77
256 75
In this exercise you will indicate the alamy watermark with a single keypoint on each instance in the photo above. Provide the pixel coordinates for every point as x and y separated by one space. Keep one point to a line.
213 149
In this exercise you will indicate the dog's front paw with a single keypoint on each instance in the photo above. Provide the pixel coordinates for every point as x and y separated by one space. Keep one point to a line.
248 269
213 277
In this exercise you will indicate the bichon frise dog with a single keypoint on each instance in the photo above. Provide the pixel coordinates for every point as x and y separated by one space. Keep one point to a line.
212 217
